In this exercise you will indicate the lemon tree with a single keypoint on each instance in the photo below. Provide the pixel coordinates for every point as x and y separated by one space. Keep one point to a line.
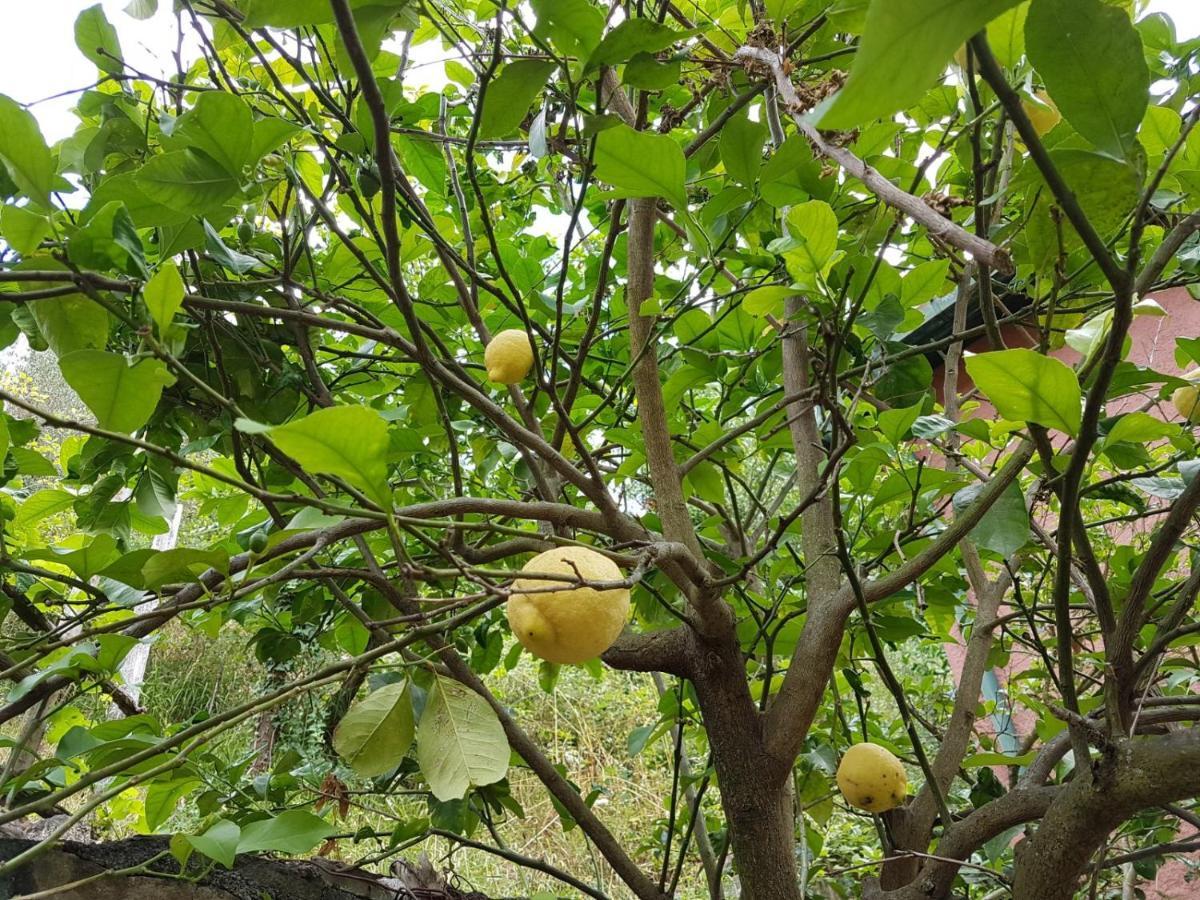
760 351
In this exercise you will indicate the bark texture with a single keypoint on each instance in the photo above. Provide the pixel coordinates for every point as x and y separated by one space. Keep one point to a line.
251 878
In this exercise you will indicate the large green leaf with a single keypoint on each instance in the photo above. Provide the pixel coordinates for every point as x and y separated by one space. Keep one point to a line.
164 295
220 842
71 323
97 40
1004 528
1026 386
741 148
349 442
812 240
903 50
631 37
22 228
41 505
510 95
293 13
460 742
24 152
121 396
1090 57
294 831
573 26
637 164
220 125
186 181
377 731
84 561
181 565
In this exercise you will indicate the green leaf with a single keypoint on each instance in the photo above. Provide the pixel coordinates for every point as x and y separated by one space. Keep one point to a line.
163 799
741 149
460 742
141 9
294 13
904 48
41 505
164 295
1139 428
220 125
231 259
70 323
97 40
109 240
377 731
1026 386
813 229
1006 35
637 164
925 282
120 395
186 181
1091 60
295 831
181 565
349 442
509 97
646 72
24 152
425 160
631 37
270 134
85 561
573 26
894 424
770 299
1004 528
220 842
22 228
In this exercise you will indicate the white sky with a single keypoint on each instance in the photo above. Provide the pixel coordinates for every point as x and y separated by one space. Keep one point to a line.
38 57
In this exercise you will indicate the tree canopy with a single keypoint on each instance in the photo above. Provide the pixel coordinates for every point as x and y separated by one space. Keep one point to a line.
826 322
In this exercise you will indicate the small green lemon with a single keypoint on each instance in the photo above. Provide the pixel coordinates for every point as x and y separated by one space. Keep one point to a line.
872 778
508 357
565 623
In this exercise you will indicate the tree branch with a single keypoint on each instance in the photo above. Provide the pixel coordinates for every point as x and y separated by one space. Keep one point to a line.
914 207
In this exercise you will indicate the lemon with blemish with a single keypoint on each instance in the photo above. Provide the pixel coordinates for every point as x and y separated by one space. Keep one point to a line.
564 622
508 357
872 778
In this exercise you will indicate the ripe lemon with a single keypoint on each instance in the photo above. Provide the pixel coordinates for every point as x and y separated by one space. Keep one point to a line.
871 778
562 622
1187 401
508 357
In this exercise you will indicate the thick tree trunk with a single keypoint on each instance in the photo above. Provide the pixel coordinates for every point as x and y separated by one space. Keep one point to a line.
753 787
1131 775
764 844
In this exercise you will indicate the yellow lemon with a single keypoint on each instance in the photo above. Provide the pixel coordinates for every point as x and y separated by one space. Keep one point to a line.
508 357
1186 400
871 778
563 622
1042 112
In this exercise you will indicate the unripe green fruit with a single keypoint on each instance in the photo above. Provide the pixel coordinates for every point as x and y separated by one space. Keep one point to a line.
368 181
245 232
258 542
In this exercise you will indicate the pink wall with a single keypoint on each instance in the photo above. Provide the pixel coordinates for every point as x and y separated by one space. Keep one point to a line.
1152 344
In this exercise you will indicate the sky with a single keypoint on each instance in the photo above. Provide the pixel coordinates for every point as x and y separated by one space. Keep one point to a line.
38 57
